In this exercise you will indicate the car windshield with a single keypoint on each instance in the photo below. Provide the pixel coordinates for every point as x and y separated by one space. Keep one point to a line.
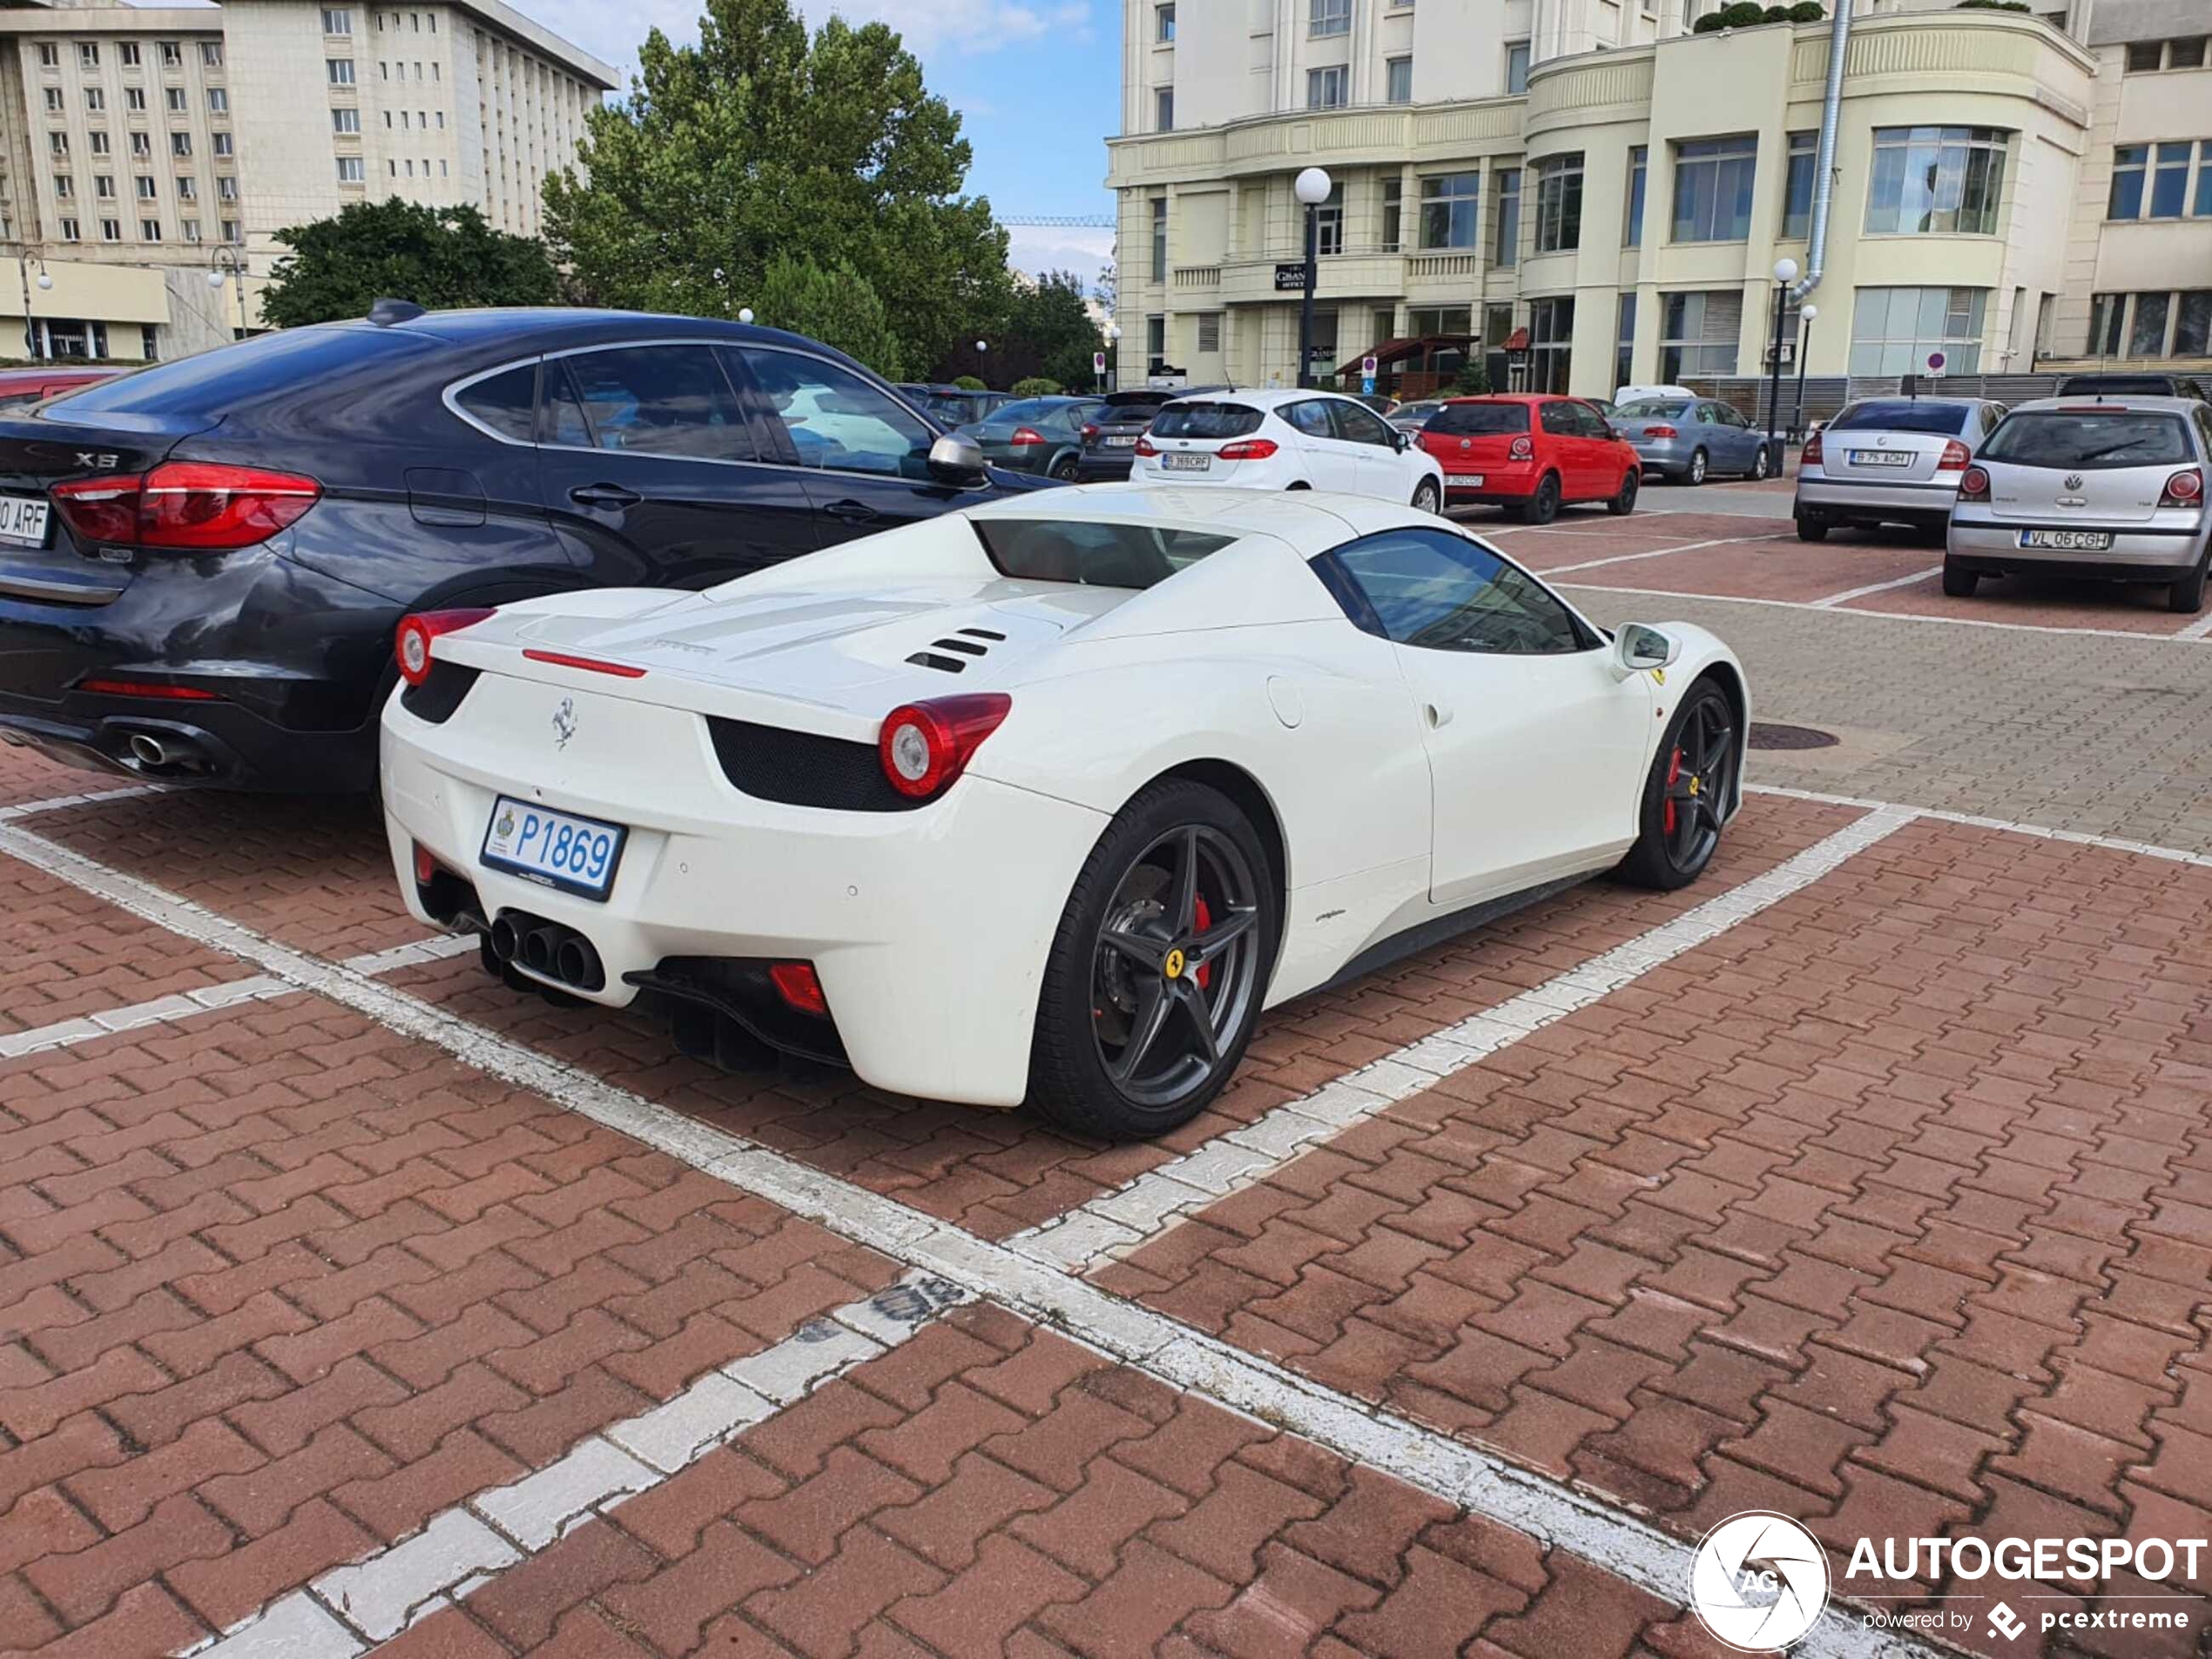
2090 440
1903 414
1478 420
1655 411
1205 421
1097 556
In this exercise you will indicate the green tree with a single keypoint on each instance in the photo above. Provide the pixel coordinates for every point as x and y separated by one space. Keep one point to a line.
1046 333
762 140
438 257
835 304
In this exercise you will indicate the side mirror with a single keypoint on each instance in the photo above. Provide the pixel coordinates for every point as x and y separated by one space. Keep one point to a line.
1637 649
1619 435
1400 439
957 459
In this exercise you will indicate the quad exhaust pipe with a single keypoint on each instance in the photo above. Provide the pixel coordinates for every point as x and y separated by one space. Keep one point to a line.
547 950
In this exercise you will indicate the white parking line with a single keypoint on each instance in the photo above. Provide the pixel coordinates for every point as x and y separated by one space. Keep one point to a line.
1883 616
1597 1531
2010 826
1655 553
56 803
2198 629
461 1549
1877 587
1118 1221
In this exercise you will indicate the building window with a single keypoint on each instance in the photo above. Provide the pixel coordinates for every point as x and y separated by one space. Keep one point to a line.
2144 334
1639 156
69 230
1698 333
1559 203
211 53
1713 189
50 55
95 99
1797 185
349 170
337 20
172 54
174 97
134 99
1329 17
1450 202
1551 344
226 189
219 101
224 145
1894 329
59 143
1328 222
1327 89
1156 343
232 231
1517 66
111 230
340 71
2165 168
1937 181
103 186
141 146
150 230
65 187
1163 109
1505 217
100 143
1398 80
127 54
1163 24
1209 331
1393 212
88 54
1159 238
54 101
187 189
2187 52
1624 340
180 144
148 191
189 229
1427 322
346 120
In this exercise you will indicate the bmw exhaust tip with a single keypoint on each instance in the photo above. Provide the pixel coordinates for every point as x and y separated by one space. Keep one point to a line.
147 750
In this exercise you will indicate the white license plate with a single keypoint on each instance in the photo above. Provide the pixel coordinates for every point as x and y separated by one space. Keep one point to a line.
1880 458
1187 463
554 849
2068 541
1467 480
1129 442
22 520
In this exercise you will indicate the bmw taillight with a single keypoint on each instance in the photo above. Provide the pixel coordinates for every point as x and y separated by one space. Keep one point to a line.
1973 485
1661 432
1810 457
1522 449
2184 490
1146 447
185 506
1955 454
411 645
925 745
1024 437
1090 432
1248 449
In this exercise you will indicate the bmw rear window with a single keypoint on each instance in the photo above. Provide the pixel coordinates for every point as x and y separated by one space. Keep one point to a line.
215 380
1206 420
1478 420
1903 414
1094 556
2090 440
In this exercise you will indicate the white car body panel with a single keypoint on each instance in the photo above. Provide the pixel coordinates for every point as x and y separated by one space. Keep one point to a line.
929 928
1302 460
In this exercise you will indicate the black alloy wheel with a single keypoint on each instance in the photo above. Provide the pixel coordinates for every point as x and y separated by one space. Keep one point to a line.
1687 795
1543 506
1624 503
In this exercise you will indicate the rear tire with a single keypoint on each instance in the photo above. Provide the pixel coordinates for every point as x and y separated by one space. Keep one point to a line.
1625 502
1542 507
1960 584
1812 529
1099 996
1686 796
1698 463
1427 498
1064 469
2186 596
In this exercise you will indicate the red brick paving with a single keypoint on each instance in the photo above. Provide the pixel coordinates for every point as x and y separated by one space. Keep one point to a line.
2130 608
26 775
1890 1209
64 953
1780 568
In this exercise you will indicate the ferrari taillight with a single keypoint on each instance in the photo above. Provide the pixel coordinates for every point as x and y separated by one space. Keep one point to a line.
924 747
1522 449
1248 449
2183 489
411 645
1955 455
1973 485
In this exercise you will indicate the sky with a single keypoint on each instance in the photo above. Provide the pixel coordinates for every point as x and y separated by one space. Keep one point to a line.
1037 84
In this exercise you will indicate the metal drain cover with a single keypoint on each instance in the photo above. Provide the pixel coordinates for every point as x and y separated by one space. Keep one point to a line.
1766 735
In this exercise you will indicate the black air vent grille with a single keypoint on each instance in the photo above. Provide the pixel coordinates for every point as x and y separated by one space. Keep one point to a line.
803 768
937 660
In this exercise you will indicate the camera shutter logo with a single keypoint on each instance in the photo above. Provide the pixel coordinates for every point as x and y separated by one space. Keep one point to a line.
1758 1582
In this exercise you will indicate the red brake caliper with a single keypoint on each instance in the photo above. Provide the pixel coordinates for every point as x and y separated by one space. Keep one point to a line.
1674 773
1202 919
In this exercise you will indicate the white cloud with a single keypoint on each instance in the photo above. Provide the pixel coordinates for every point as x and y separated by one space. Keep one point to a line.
613 32
1034 248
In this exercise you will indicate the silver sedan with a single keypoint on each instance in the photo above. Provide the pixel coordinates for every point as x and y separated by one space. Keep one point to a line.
1889 461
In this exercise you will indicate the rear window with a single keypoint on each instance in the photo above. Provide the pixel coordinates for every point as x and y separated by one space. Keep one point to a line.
235 375
1205 421
1673 410
1903 414
1096 556
2090 441
1478 420
2118 386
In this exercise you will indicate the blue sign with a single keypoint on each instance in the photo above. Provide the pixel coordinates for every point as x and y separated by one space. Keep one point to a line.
1367 384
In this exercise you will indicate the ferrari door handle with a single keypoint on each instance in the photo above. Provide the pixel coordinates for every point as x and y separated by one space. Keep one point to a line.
609 496
1439 714
852 512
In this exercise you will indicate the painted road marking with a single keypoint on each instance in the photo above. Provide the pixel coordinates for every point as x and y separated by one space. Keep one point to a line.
1875 587
56 803
1879 616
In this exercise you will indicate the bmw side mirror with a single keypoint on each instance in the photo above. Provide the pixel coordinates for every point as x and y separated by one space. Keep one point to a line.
1637 649
957 459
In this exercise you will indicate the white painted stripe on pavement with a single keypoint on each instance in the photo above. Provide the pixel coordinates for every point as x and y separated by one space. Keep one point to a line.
1880 615
1655 553
2010 826
372 1599
1876 587
2198 629
1118 1221
57 803
1168 1350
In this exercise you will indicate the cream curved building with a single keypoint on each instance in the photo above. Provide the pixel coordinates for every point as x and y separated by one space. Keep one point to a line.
2019 191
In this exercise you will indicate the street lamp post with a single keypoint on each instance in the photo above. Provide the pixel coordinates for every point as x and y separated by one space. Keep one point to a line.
1804 340
982 346
1312 187
30 329
225 264
1785 273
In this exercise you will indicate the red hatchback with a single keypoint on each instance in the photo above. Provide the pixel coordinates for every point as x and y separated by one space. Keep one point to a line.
1531 452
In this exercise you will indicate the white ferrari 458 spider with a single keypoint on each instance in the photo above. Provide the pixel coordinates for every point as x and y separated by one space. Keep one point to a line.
1044 800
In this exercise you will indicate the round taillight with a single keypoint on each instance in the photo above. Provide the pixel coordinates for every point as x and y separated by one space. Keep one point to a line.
1522 449
1973 485
925 745
909 755
415 652
2185 487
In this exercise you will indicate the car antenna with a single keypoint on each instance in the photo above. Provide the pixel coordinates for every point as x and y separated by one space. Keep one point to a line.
386 312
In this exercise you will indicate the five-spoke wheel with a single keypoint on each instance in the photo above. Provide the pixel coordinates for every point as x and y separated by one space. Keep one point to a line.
1689 792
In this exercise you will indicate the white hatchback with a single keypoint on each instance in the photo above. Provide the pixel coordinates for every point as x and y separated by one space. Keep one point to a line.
1297 440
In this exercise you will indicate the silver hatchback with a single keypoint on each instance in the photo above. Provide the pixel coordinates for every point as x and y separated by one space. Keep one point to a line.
2112 489
1889 461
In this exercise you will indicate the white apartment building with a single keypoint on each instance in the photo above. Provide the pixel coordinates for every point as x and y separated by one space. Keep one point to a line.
142 148
2019 189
